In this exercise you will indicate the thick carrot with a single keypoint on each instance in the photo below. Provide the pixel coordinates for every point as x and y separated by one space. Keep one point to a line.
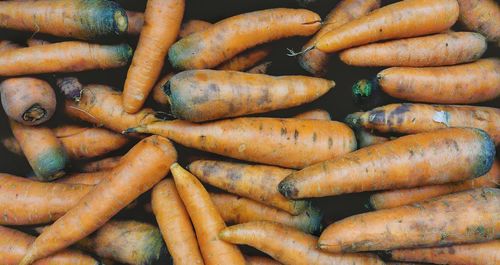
257 260
228 37
395 198
69 56
482 16
366 138
29 101
158 95
13 245
99 165
135 22
289 245
192 26
246 59
6 45
140 169
315 114
256 182
440 49
174 223
464 217
460 84
262 68
87 178
206 219
411 118
316 61
202 95
238 210
408 18
291 143
441 156
468 254
162 21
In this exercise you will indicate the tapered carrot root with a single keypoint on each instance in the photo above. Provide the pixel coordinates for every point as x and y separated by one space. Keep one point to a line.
193 26
246 59
291 143
366 138
288 245
465 217
206 220
227 38
403 19
435 50
239 210
158 95
70 56
6 45
456 154
29 101
256 260
135 22
395 198
315 114
262 68
316 61
468 254
100 165
174 223
482 16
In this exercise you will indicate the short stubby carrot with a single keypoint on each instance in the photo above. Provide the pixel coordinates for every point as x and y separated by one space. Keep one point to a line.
315 114
289 245
158 95
246 59
448 48
135 22
229 37
192 26
316 61
456 154
202 95
99 165
258 260
366 138
482 16
290 143
69 56
402 19
262 68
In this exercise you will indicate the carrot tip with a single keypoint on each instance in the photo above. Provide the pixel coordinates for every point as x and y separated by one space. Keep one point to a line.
353 120
287 189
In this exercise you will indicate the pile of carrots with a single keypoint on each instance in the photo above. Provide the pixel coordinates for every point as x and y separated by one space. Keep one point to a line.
209 147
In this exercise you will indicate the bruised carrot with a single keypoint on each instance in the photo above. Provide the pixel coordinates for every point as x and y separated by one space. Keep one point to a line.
174 223
6 45
158 94
395 198
456 154
257 260
435 50
291 143
206 220
316 61
402 19
140 169
262 68
366 138
135 22
289 245
315 114
482 16
192 26
27 100
70 87
100 165
468 254
228 37
246 59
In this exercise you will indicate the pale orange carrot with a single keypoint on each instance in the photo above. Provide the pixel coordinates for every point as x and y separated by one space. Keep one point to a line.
315 114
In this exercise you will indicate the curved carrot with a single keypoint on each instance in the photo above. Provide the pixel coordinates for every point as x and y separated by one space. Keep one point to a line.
402 19
366 138
100 165
315 114
246 59
257 260
192 26
228 37
464 217
162 21
262 68
158 95
135 22
482 16
456 154
6 45
206 220
288 245
174 223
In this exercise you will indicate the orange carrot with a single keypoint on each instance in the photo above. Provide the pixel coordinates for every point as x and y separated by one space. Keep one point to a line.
192 26
88 178
315 114
482 16
100 165
246 59
135 22
262 68
257 260
158 95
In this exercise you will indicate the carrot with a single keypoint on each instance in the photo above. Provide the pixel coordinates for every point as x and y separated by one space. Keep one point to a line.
246 59
228 37
174 223
81 19
316 61
86 178
366 138
158 94
315 114
141 168
456 154
238 210
100 165
402 19
69 56
257 260
192 26
395 198
12 145
440 49
36 42
260 68
291 143
29 101
482 16
289 245
468 254
70 87
6 45
162 21
42 149
411 118
135 22
256 182
464 217
13 245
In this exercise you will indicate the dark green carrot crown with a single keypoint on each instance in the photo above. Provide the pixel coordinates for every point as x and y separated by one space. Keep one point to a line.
101 18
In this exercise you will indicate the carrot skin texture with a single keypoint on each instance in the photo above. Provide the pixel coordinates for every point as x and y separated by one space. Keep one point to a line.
482 16
88 178
229 37
141 168
402 19
289 245
100 165
158 95
206 219
427 224
192 26
315 114
174 223
256 260
246 59
6 45
456 154
262 68
135 22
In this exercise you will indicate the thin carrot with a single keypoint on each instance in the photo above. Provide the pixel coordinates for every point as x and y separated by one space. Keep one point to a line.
99 165
315 114
192 26
158 95
456 154
366 138
135 22
246 59
482 16
257 260
262 68
174 223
